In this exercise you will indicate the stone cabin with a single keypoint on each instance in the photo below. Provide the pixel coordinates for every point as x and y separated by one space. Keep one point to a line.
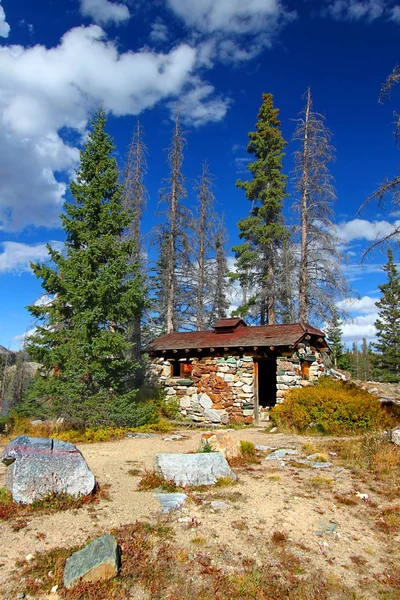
235 372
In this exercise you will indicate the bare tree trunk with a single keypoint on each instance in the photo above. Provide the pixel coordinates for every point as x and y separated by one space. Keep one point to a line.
203 201
303 283
176 218
135 196
271 289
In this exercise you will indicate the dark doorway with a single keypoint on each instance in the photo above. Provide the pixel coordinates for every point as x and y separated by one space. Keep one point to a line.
267 383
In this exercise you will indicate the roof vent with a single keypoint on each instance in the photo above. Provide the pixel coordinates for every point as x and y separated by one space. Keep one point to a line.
228 325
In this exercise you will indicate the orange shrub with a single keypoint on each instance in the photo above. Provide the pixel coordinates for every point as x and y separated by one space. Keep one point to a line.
332 407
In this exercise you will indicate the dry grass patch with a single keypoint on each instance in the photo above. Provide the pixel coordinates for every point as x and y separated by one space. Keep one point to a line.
318 482
52 503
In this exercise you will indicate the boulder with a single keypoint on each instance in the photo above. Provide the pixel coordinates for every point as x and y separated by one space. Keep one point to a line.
37 467
221 441
395 435
193 469
98 560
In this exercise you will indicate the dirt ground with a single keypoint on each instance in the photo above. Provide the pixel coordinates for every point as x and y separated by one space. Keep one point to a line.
339 539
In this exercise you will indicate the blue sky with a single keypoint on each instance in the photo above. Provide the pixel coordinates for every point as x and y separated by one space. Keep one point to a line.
59 59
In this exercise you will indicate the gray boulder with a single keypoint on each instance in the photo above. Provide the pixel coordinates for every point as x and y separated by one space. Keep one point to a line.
37 467
395 435
193 469
98 560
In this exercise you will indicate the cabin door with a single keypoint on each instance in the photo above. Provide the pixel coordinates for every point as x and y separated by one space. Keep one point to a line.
265 386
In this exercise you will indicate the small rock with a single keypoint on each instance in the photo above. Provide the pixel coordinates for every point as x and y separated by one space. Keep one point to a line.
362 496
264 448
221 441
394 435
131 434
273 430
171 501
373 391
173 438
98 560
219 505
20 595
281 453
29 557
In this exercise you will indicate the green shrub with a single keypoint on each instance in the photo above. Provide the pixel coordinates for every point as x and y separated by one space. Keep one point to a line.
247 449
332 407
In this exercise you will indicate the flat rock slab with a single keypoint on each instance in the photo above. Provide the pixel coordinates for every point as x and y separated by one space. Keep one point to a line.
98 560
37 467
281 453
314 464
193 469
171 501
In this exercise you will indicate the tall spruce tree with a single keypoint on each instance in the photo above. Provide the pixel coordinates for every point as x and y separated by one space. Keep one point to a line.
263 230
388 325
97 290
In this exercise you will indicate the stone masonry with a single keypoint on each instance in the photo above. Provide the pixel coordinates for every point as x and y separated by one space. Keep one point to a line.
221 389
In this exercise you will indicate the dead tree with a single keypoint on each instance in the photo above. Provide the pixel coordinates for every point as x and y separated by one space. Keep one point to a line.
135 198
321 282
174 231
221 283
391 187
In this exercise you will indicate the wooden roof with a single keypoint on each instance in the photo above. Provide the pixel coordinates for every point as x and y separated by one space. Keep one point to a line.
239 335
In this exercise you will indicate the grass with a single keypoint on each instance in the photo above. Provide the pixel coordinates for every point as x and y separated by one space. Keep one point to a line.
52 503
374 460
318 482
152 480
89 435
154 566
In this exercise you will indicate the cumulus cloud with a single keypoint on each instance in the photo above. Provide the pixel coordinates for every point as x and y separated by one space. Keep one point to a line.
105 12
366 305
84 70
16 257
198 105
359 328
225 23
359 10
362 229
4 26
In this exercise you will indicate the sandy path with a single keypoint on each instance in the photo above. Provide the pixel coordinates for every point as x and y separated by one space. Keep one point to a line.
273 498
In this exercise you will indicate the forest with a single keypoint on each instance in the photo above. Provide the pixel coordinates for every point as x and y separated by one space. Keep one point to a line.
105 298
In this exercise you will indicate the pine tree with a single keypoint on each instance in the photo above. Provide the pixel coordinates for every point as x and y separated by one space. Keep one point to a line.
334 336
96 291
321 281
388 325
263 230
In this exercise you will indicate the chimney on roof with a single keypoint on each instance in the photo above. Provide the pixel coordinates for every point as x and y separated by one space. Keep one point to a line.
228 325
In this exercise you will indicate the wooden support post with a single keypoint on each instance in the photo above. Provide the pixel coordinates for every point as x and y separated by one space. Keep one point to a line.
256 395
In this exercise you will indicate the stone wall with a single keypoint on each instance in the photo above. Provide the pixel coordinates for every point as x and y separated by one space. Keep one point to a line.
221 389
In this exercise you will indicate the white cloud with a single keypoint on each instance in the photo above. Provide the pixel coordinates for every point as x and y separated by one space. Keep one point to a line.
359 328
224 22
197 105
16 257
4 26
366 305
361 229
105 12
232 16
360 10
37 114
159 32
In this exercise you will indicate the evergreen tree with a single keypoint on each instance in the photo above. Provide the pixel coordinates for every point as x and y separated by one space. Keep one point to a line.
96 291
388 325
263 230
334 335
